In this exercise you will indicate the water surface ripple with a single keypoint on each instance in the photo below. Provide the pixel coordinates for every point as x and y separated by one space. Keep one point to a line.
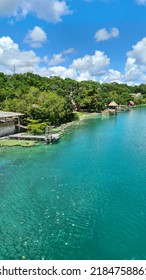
82 198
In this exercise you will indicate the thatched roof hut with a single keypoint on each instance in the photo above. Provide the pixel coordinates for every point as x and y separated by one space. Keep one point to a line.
113 104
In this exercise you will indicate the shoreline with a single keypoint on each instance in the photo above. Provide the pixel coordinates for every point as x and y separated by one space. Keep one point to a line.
60 129
82 116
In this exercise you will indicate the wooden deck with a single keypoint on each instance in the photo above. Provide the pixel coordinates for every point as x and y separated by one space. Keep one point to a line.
109 112
48 139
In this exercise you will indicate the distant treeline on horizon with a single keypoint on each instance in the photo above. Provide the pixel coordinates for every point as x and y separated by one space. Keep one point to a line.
52 101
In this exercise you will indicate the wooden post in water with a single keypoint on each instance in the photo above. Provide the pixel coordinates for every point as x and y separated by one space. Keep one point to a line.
48 134
19 123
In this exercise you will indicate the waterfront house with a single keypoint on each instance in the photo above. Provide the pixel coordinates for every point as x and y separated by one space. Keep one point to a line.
9 123
113 105
112 108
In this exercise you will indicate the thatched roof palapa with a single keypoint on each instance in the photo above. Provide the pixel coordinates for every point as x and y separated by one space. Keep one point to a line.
113 104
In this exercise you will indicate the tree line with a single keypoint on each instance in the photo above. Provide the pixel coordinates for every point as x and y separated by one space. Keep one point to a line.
53 101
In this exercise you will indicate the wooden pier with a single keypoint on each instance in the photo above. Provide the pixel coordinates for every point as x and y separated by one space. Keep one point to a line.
47 138
109 112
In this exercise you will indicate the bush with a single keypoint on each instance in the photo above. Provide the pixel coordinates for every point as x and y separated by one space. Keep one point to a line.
76 117
37 128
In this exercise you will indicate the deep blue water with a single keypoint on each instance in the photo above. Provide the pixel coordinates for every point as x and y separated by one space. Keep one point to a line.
82 198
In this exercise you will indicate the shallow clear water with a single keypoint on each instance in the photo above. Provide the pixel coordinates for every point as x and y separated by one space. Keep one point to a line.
82 198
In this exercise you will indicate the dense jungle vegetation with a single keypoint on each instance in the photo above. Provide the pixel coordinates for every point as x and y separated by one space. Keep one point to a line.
52 101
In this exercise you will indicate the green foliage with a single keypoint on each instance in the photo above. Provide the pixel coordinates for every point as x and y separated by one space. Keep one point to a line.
76 116
36 127
51 101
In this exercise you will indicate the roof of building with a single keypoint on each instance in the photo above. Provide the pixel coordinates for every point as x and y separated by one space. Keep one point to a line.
113 104
131 102
4 114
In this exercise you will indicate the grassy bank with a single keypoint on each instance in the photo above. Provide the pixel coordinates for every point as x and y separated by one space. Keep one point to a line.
86 115
13 143
139 106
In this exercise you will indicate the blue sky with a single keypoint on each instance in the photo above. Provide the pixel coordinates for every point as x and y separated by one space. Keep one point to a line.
102 40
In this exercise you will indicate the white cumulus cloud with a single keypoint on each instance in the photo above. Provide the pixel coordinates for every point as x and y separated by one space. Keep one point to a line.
69 51
85 68
60 71
11 55
94 64
85 76
56 59
48 10
8 7
89 67
132 70
139 52
112 76
36 37
135 67
103 34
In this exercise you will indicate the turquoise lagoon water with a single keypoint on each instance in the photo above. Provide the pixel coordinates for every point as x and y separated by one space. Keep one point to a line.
82 198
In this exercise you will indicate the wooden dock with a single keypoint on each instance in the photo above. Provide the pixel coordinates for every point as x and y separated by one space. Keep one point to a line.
109 112
48 139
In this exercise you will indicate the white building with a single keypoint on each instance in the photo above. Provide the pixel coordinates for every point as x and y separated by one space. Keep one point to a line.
9 123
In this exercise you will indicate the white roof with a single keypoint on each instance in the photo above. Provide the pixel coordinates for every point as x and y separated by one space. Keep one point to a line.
4 114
